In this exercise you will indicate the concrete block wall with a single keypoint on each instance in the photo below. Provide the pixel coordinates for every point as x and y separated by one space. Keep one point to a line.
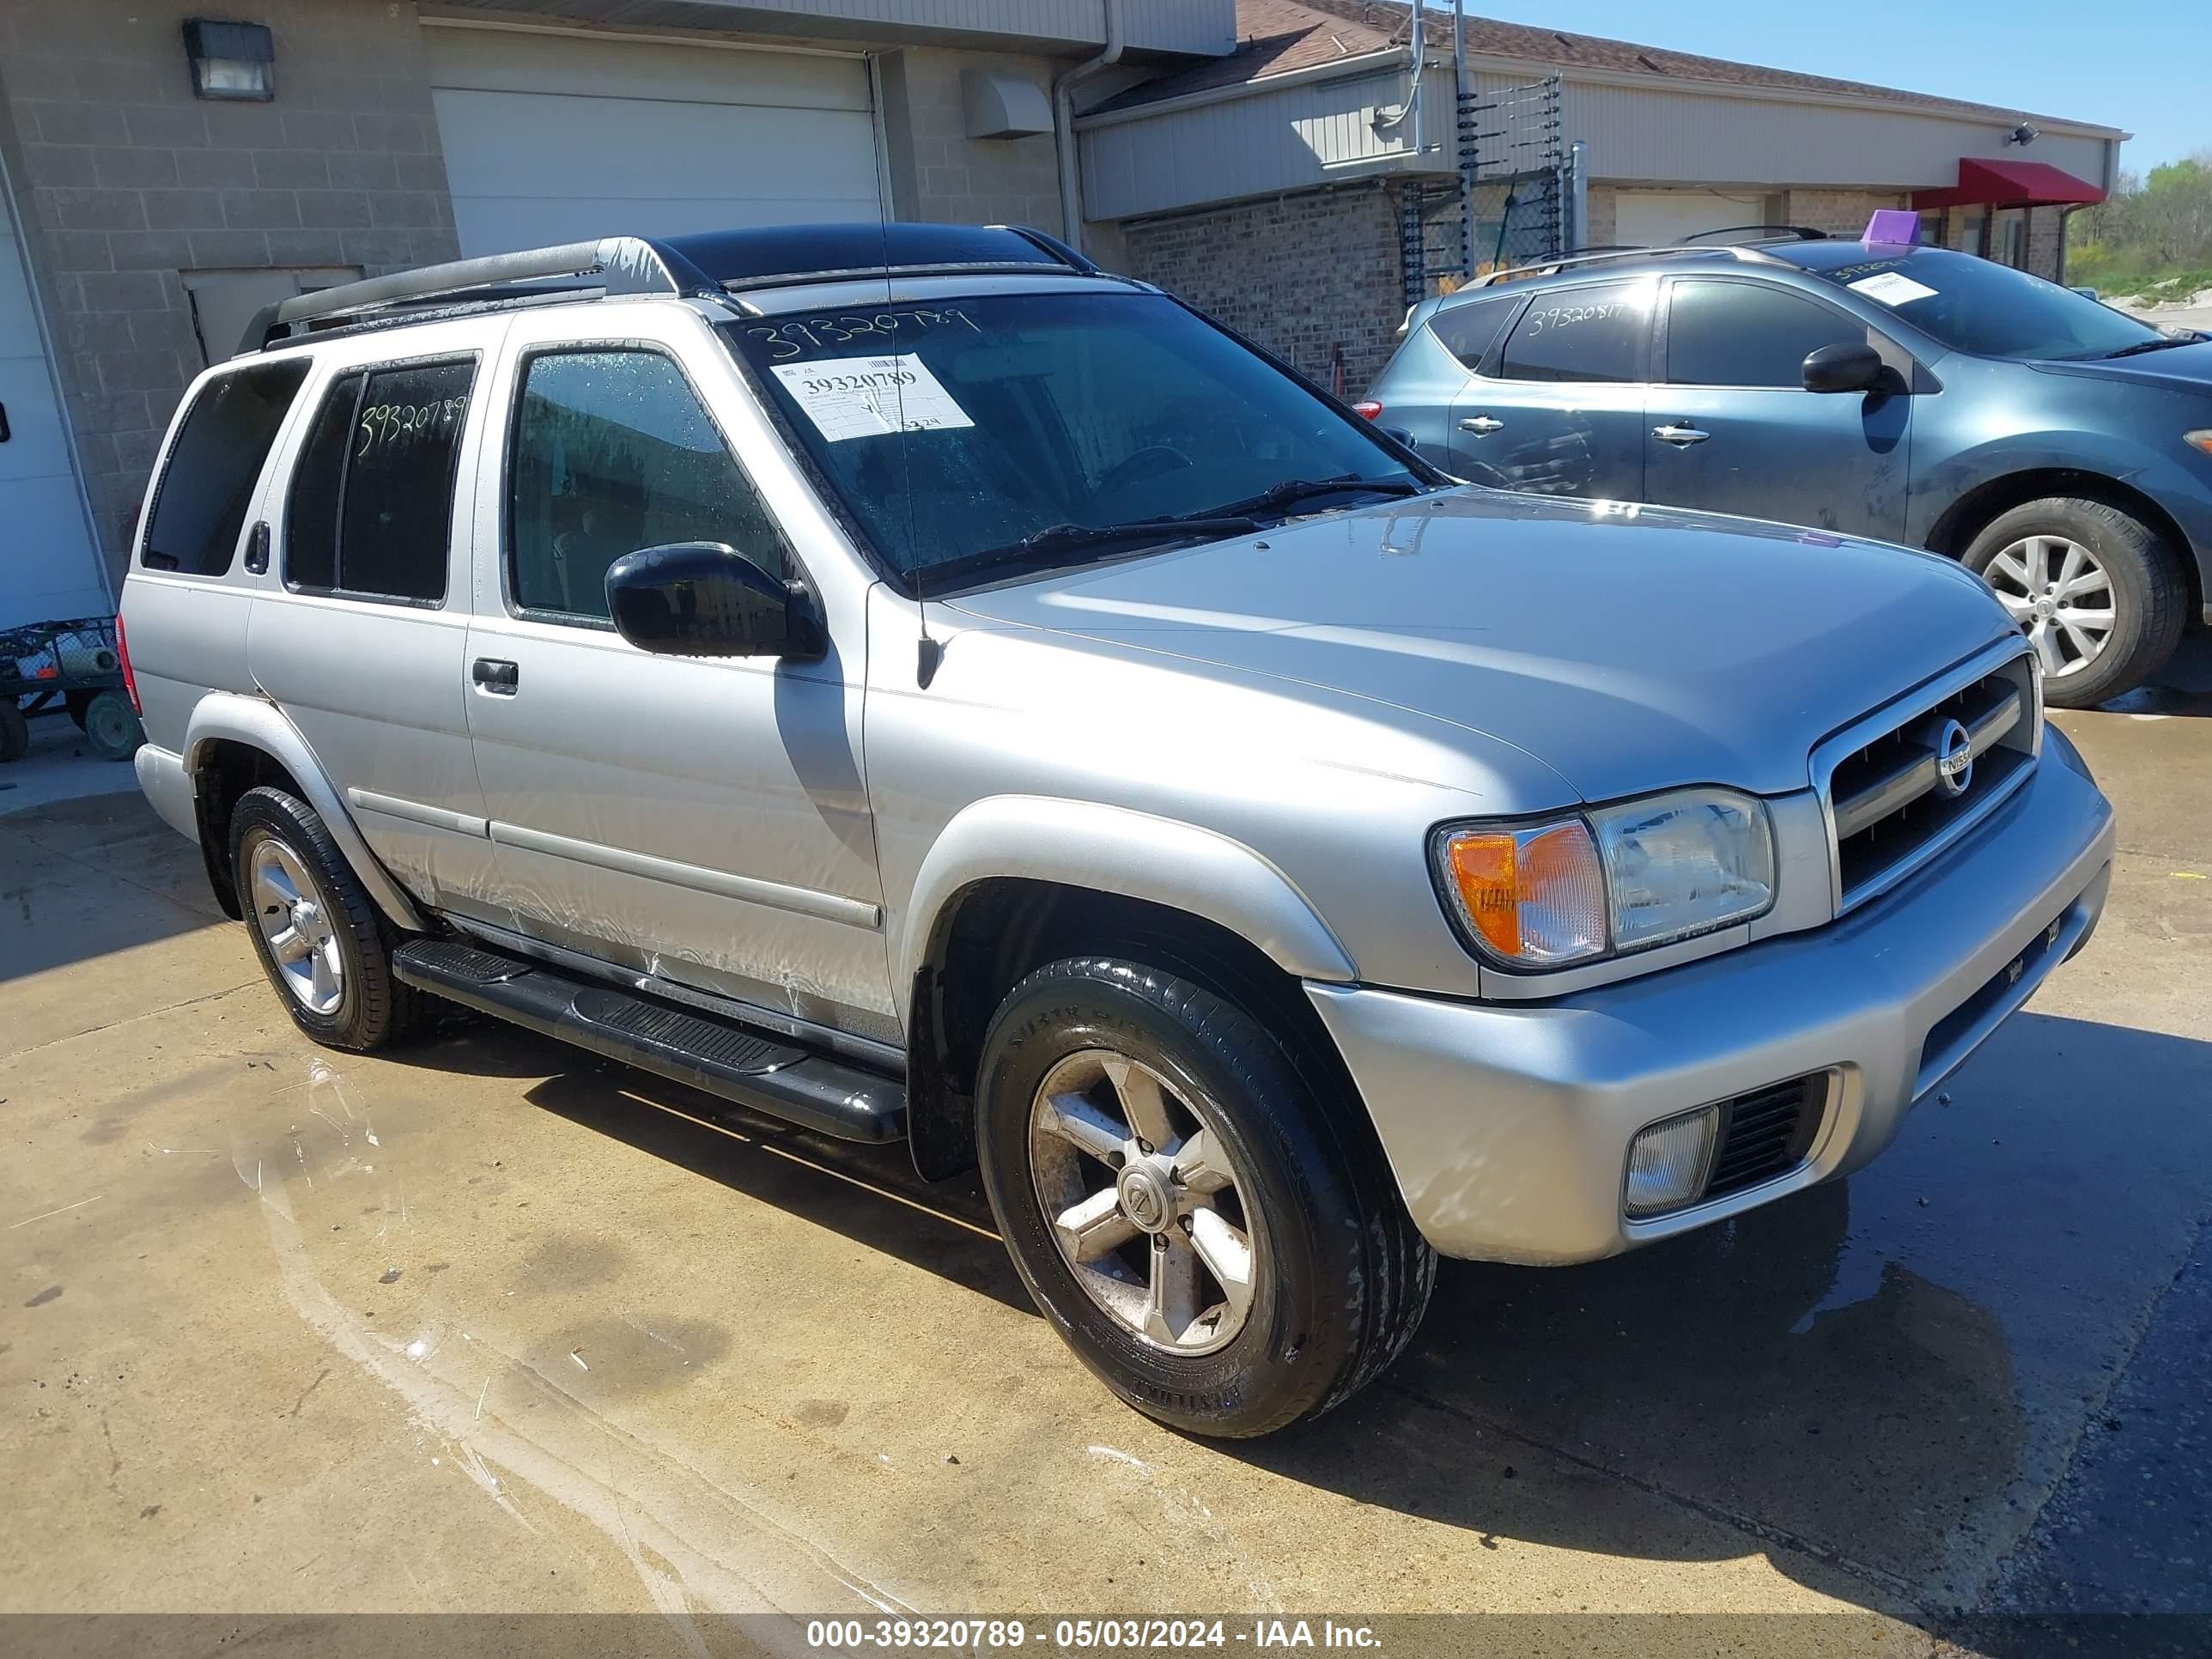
1838 212
125 182
1302 275
939 173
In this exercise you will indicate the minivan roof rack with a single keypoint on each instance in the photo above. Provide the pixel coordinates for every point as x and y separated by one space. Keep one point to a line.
1743 251
707 265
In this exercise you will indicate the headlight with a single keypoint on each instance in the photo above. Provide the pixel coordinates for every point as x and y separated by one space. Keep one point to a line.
1614 879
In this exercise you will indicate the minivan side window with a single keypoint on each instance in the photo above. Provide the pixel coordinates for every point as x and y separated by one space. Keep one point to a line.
372 504
207 478
1468 331
613 451
1751 334
1594 333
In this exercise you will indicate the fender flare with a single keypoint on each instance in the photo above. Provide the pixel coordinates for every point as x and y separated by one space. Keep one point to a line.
1114 849
228 715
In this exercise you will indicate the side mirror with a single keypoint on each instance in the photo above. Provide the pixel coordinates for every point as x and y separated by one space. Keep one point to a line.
707 600
1855 367
1404 434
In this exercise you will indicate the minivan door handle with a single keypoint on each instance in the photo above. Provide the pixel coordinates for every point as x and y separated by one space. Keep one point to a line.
1678 435
1481 425
499 678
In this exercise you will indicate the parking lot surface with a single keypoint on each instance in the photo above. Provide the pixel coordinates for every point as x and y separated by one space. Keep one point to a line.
488 1325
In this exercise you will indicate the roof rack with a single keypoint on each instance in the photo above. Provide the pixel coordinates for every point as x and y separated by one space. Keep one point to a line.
1746 252
1784 233
708 265
613 264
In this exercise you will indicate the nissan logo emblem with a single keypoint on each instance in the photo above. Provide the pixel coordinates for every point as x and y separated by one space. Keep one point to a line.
1954 759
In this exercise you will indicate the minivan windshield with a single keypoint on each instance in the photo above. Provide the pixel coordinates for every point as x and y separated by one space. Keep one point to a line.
993 434
1991 310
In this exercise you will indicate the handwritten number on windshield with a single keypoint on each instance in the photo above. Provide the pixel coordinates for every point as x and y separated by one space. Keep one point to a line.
803 335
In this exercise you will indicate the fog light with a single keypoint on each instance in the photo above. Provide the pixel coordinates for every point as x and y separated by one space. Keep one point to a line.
1666 1163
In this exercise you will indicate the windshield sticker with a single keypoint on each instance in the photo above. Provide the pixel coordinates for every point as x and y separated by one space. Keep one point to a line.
868 397
1892 289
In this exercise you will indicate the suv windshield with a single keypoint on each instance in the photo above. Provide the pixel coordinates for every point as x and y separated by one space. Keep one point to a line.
1989 309
1003 430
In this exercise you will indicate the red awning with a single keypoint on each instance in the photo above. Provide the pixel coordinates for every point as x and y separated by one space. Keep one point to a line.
2009 184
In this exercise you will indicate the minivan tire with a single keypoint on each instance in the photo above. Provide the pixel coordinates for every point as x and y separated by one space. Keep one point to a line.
374 1007
1339 1278
2149 592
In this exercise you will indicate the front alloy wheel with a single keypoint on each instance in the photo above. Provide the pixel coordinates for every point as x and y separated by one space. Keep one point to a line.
1144 1201
2061 595
294 919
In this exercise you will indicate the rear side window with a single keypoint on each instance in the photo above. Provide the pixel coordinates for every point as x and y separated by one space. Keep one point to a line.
1582 334
1747 333
372 502
612 453
207 482
1468 331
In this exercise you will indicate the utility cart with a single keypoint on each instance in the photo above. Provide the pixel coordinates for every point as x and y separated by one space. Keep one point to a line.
73 666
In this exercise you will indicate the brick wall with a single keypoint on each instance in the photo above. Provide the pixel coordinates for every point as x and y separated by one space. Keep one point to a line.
2046 233
1302 275
939 172
1839 212
126 182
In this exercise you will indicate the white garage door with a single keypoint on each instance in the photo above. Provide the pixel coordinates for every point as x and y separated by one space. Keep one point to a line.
553 138
48 572
1663 218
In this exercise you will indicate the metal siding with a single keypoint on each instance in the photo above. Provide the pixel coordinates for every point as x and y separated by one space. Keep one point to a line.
1271 141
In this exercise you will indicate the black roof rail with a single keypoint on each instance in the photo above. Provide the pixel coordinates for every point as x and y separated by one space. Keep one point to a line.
613 264
1781 234
706 264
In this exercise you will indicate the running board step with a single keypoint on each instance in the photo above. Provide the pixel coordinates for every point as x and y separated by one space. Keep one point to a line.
763 1073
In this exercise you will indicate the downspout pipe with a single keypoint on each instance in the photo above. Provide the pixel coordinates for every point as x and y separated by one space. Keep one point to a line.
1063 115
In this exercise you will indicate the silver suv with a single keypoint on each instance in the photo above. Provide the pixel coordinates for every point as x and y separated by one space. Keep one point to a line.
906 681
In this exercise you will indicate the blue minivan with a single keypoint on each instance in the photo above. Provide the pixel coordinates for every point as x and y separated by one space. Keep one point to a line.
2059 448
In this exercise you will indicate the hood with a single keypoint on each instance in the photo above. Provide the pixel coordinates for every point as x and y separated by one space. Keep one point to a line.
2175 368
1629 648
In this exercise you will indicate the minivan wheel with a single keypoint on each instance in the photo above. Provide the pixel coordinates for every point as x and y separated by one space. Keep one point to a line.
1213 1243
320 941
2099 593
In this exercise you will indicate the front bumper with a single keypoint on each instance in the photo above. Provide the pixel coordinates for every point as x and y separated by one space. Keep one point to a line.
1508 1126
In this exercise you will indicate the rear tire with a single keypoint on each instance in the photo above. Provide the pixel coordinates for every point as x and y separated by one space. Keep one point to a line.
15 731
326 948
1259 1174
111 727
2126 573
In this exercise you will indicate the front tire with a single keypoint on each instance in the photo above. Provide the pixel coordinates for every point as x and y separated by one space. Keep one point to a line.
1224 1251
325 949
2099 593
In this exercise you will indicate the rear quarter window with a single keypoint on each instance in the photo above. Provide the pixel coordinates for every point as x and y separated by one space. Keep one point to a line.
1468 331
207 480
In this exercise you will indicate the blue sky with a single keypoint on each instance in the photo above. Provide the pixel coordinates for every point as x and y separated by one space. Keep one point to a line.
2136 66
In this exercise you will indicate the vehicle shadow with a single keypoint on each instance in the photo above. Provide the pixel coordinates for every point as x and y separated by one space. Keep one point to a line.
2183 686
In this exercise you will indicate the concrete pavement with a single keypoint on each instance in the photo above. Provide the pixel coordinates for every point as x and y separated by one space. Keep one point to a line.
488 1325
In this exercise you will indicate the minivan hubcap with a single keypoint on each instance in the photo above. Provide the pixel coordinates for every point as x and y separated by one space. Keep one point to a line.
295 921
2060 595
1145 1203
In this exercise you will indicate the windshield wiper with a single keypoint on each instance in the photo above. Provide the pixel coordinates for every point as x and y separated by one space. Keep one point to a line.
2159 344
1291 490
1067 543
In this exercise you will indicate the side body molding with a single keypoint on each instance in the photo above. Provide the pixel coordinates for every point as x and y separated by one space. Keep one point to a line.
250 721
1112 849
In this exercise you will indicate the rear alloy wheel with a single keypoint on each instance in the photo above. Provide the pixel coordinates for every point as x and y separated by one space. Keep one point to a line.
1217 1238
2096 592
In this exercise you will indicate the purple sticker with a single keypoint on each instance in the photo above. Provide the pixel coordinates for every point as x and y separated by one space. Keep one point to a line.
1899 227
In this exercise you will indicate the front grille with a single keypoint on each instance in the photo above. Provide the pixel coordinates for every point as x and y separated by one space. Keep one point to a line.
1897 797
1767 1134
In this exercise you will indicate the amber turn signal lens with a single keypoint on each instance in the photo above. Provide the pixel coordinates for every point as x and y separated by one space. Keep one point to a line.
1531 896
2199 439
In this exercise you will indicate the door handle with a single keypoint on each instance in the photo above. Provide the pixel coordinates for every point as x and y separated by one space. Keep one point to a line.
1681 436
1481 425
499 678
257 550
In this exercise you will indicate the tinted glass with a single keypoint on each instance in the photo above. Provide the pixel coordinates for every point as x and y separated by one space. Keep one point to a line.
1582 334
1468 331
986 420
613 453
1748 333
1973 305
207 484
372 504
